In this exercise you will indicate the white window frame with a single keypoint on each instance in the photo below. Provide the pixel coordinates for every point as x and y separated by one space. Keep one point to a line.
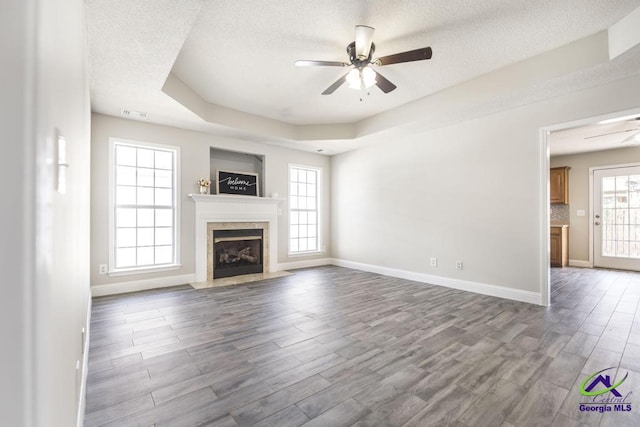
112 270
318 210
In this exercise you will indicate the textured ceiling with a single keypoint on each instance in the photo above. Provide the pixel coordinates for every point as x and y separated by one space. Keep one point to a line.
239 55
242 54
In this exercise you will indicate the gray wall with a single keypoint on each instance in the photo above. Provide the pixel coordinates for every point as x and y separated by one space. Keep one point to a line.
579 191
194 155
471 191
16 307
45 242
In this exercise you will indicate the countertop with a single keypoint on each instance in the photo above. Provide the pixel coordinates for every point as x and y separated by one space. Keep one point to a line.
559 225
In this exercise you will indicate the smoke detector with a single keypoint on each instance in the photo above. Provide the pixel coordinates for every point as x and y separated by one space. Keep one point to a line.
138 115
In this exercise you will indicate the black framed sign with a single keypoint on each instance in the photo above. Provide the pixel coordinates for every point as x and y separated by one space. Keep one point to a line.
243 183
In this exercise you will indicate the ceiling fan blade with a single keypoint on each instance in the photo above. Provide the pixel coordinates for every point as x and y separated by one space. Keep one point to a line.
385 85
364 38
335 85
409 56
305 63
610 133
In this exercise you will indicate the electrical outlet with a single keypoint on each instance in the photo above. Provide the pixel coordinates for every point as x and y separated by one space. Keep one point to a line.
102 269
458 265
434 261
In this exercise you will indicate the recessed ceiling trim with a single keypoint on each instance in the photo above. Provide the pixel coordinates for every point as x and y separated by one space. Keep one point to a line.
624 34
223 116
479 91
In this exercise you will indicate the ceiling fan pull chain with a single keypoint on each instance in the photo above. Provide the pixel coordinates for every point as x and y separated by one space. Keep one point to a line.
364 92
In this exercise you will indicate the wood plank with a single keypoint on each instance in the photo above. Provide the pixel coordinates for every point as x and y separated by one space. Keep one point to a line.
342 415
493 406
269 405
366 349
393 413
564 369
334 394
539 405
289 417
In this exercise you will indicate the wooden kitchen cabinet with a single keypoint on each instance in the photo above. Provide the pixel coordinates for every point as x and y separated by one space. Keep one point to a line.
559 242
559 185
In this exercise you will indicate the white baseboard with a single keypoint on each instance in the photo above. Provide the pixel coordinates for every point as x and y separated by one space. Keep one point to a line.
579 263
85 369
463 285
304 264
141 285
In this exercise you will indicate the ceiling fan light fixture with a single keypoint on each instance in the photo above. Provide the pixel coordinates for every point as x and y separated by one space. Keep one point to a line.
361 77
368 77
364 38
353 78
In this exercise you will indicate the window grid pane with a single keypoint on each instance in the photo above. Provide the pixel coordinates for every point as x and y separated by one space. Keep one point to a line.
621 216
144 206
303 210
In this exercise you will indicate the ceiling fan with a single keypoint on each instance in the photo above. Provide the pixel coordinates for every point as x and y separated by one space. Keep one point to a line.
630 127
362 75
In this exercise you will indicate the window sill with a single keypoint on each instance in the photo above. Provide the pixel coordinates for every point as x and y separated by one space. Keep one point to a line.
302 254
143 270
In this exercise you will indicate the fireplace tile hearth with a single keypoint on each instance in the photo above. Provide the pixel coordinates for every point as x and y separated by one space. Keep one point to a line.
239 280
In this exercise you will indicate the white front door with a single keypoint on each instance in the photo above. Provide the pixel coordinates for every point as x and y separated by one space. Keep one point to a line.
616 218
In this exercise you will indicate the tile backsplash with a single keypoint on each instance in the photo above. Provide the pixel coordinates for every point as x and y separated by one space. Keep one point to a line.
560 214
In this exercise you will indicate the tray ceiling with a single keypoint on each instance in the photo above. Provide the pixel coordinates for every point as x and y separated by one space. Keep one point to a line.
234 61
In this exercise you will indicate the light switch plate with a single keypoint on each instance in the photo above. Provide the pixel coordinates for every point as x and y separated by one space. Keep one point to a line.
61 164
580 212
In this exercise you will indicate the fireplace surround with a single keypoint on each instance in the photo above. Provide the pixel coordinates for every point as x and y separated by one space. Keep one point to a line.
225 212
237 252
236 237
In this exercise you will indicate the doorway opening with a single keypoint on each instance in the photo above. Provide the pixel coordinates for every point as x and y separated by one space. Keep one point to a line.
585 145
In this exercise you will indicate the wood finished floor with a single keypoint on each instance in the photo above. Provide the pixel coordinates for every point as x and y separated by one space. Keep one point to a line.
333 347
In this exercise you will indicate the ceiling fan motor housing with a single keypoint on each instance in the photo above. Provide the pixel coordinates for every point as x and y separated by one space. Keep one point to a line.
357 62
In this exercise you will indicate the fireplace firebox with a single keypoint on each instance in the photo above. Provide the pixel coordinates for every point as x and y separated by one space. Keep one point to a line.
237 252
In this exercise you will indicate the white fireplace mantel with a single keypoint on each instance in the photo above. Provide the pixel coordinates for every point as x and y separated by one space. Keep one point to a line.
230 208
